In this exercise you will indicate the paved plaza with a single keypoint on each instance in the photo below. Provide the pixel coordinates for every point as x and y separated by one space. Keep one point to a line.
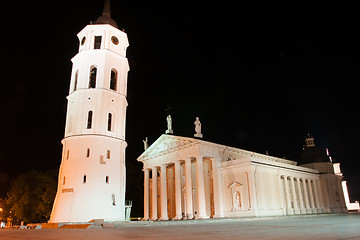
344 226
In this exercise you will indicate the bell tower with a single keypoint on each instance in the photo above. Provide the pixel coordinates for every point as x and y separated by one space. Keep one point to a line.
91 182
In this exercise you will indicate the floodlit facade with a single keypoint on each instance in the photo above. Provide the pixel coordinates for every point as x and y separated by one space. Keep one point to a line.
186 178
91 182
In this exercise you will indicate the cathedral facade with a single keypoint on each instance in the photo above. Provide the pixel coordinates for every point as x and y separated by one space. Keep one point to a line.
187 178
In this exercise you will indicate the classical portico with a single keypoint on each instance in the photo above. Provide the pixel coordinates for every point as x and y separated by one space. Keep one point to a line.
187 178
180 181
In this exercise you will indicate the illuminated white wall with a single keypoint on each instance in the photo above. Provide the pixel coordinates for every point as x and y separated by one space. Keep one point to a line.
96 152
236 182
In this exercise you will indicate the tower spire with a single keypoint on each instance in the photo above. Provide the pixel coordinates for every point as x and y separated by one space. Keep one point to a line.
105 18
107 10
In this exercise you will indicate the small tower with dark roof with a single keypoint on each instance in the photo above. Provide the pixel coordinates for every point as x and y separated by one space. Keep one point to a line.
311 153
330 181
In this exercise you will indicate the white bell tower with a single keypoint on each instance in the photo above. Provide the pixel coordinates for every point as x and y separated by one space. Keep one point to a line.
92 176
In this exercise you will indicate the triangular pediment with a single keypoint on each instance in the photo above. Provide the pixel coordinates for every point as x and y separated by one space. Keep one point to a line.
235 184
166 143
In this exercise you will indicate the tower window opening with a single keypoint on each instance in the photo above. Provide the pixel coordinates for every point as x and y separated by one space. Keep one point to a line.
97 43
107 179
88 152
109 122
92 79
108 154
84 179
113 200
64 180
89 121
67 154
76 79
113 79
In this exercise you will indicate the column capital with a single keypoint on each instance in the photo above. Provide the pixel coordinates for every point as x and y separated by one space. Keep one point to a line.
188 159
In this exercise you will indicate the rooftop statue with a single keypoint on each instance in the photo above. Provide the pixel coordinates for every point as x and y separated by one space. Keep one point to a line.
169 125
198 128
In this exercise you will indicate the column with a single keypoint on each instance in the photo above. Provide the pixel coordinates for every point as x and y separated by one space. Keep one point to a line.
163 193
188 188
281 194
311 196
290 210
217 185
177 191
154 194
200 188
301 199
146 194
321 196
293 191
307 203
317 200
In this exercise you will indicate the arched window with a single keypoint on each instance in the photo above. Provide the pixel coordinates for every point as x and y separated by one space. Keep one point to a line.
76 79
84 179
89 121
113 79
107 179
92 79
64 179
109 122
88 152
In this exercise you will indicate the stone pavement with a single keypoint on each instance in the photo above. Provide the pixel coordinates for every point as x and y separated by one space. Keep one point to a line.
326 226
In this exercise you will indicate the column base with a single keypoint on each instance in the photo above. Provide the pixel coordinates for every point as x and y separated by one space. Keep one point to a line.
153 219
145 219
163 218
203 217
308 211
290 211
297 211
302 211
177 218
190 217
219 216
314 210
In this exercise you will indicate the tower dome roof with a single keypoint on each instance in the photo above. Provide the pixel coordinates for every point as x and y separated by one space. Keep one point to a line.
311 153
105 18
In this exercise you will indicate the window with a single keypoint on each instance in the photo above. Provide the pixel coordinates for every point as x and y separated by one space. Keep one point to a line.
113 199
107 179
113 79
76 79
67 154
92 79
84 179
89 121
109 122
108 154
64 180
88 152
97 43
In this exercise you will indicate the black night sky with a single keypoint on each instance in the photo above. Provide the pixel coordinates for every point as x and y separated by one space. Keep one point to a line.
259 78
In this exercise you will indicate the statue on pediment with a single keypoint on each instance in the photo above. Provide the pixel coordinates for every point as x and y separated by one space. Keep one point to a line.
146 144
169 125
198 128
